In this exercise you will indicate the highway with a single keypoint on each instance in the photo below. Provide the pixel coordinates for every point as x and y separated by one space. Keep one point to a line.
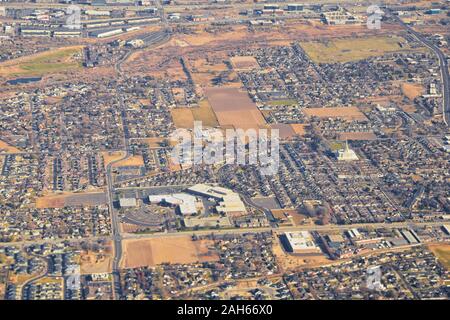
443 64
329 227
152 39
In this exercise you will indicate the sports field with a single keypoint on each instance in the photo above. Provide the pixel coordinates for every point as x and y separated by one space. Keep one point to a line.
352 49
52 61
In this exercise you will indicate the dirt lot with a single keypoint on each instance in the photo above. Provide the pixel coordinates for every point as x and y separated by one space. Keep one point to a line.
234 108
412 90
92 262
111 156
131 161
357 136
151 252
68 199
299 128
244 63
345 113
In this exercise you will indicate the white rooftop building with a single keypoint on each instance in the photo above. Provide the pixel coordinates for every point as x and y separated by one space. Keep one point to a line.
127 202
229 201
187 204
346 154
301 242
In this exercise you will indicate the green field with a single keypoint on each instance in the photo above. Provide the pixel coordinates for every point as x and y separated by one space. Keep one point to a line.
345 50
43 63
288 102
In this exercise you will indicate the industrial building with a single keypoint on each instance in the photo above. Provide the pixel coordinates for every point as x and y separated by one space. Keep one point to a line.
300 242
340 17
127 202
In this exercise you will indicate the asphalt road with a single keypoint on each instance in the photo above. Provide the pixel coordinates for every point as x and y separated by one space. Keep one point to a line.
444 68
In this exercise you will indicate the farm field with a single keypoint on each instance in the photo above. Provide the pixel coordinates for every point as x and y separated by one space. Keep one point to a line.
136 160
352 49
299 128
182 118
151 252
234 107
185 117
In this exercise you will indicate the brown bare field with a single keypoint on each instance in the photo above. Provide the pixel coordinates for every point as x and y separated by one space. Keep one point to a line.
203 65
61 200
412 90
49 201
285 130
357 136
182 117
244 63
345 113
92 262
233 107
135 160
205 114
7 148
442 252
151 252
280 214
110 156
299 128
153 142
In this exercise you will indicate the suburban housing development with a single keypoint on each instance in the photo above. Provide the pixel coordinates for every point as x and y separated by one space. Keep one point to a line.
99 99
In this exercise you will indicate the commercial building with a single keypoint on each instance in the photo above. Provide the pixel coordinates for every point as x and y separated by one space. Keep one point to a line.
300 242
186 203
340 17
127 202
228 201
